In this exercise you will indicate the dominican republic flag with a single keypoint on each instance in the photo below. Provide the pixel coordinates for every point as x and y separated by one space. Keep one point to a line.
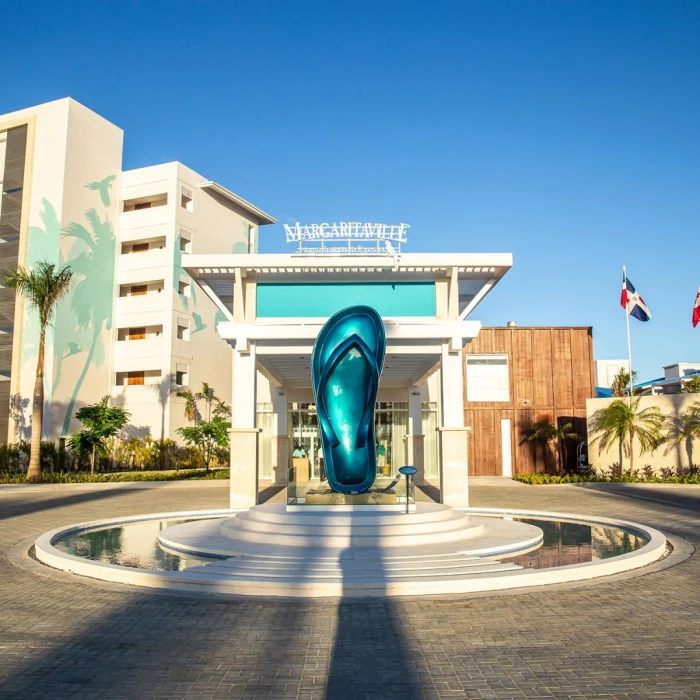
696 310
632 303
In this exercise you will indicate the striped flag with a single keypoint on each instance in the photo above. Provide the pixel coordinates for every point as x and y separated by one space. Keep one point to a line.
696 310
632 303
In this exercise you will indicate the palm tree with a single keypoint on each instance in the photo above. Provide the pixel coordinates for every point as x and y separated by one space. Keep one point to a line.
545 432
190 405
621 382
43 287
209 397
685 428
622 421
692 385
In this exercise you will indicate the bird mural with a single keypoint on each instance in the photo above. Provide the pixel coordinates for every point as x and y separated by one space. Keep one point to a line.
199 324
103 187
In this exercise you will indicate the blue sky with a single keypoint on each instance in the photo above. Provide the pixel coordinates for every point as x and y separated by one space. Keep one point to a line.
564 132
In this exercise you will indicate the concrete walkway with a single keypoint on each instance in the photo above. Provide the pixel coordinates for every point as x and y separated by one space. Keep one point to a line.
65 637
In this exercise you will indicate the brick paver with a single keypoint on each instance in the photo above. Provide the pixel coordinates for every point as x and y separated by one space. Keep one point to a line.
635 638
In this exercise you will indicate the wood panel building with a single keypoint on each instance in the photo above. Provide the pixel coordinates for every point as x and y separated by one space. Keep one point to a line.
530 374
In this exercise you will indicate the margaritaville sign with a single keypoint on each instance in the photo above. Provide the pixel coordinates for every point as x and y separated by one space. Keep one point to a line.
350 237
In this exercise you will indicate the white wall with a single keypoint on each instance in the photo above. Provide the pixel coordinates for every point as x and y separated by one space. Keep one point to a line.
605 371
68 147
212 224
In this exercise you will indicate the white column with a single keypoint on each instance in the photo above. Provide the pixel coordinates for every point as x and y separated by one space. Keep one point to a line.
280 446
415 437
454 472
244 434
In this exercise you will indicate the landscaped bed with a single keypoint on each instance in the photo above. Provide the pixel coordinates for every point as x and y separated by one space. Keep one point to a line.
640 478
86 477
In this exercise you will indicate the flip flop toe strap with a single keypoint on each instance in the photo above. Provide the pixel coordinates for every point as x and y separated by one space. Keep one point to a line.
354 341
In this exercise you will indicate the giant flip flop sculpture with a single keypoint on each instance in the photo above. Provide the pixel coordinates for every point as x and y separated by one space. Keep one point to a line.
346 364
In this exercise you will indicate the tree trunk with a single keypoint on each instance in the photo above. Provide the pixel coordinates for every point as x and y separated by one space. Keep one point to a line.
631 451
621 455
34 469
92 461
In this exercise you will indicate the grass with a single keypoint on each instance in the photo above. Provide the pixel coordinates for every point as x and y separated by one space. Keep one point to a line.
541 479
87 478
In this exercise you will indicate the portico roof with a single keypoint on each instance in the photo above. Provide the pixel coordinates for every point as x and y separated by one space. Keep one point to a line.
468 264
475 273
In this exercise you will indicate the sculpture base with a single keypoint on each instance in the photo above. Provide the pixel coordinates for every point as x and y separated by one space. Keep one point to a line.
386 491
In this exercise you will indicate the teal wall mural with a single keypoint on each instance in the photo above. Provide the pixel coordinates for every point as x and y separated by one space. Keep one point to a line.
83 317
92 258
242 247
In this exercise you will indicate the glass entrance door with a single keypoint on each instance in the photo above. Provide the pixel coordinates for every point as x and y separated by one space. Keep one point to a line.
390 421
307 482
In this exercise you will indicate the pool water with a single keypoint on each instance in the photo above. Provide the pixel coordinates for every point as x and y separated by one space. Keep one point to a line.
131 544
568 543
136 545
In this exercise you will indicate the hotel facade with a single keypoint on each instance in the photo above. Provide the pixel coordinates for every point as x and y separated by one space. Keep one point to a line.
170 291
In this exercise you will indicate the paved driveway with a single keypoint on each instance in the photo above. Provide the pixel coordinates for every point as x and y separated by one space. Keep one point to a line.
634 638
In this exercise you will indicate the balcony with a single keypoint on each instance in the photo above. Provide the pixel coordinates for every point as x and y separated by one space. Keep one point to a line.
139 349
138 394
158 257
144 303
141 218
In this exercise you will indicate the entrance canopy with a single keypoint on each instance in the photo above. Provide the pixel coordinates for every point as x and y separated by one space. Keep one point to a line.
280 302
275 305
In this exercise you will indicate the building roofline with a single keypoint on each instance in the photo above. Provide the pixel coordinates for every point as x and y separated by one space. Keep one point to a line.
488 264
263 218
538 328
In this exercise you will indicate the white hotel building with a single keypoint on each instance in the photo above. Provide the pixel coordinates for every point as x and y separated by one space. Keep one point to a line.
171 291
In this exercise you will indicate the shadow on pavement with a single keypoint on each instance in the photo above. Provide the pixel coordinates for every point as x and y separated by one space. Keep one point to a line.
685 499
13 509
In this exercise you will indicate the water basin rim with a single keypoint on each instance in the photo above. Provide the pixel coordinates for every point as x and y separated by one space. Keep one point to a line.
48 554
645 531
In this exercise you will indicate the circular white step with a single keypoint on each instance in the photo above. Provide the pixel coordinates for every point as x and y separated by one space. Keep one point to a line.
434 532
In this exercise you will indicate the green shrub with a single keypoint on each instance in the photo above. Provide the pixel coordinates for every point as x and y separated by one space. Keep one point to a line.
612 477
85 477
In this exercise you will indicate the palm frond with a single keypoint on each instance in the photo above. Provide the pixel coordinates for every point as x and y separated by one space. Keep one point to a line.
79 231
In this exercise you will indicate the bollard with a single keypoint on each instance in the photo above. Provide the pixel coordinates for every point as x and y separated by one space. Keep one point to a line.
407 472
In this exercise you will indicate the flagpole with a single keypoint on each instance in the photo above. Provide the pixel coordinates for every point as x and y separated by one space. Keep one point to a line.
629 342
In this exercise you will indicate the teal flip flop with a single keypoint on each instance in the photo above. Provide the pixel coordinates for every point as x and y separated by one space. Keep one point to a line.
346 364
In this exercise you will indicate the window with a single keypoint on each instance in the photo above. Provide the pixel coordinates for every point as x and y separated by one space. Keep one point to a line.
185 242
136 334
252 239
186 199
183 288
181 377
487 378
139 247
135 378
183 331
138 290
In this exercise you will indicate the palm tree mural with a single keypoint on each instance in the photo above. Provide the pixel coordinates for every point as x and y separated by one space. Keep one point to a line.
92 258
103 187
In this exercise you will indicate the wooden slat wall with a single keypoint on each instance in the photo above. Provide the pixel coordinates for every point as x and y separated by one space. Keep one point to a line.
551 376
